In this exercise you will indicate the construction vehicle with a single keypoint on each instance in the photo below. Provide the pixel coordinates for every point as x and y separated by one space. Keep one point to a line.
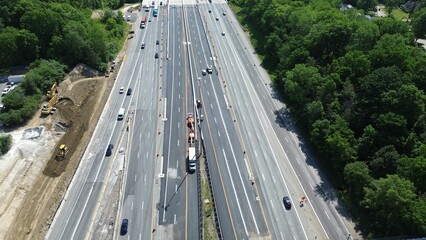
53 91
46 109
190 124
63 150
143 22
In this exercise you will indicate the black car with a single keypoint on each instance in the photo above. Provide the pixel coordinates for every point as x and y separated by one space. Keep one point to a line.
129 92
287 202
156 55
143 46
161 3
157 42
109 150
124 225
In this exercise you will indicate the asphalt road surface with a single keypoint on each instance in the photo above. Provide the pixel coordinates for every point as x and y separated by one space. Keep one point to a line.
281 164
254 154
178 213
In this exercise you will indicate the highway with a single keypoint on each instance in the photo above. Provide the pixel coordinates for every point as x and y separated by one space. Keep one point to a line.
137 200
280 167
74 217
178 213
254 154
239 211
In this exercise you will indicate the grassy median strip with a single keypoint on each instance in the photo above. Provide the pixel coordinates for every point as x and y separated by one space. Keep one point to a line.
209 225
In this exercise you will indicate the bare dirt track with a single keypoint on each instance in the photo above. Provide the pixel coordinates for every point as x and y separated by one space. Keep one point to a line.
83 97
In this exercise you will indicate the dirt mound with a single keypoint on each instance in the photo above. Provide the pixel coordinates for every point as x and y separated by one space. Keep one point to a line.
82 71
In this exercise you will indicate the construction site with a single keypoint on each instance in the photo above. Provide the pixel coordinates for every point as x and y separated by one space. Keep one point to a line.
45 153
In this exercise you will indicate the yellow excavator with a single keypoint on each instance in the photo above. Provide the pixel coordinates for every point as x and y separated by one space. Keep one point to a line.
53 91
46 109
63 150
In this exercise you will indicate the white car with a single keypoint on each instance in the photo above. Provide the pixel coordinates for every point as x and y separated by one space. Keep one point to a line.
204 72
5 91
209 69
121 90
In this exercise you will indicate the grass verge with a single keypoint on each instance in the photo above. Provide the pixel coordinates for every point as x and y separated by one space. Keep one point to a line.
209 224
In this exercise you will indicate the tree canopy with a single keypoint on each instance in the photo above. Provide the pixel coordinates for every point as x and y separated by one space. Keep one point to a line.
62 30
357 88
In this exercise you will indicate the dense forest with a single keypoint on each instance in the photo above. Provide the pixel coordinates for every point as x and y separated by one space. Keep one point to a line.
356 87
51 37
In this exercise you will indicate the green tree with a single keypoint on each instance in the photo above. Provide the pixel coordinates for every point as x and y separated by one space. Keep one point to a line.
357 176
407 101
414 169
391 50
366 143
392 129
365 36
272 45
327 40
313 112
366 5
44 23
42 75
8 47
418 217
388 201
352 66
384 161
5 143
368 100
301 85
418 23
335 141
13 100
340 143
393 26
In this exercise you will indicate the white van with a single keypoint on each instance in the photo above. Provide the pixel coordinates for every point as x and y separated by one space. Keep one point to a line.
121 114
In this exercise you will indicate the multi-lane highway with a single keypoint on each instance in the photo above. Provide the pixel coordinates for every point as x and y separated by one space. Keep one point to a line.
141 72
178 212
254 155
280 168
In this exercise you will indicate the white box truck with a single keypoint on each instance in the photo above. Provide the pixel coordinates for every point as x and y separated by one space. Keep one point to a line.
192 159
121 114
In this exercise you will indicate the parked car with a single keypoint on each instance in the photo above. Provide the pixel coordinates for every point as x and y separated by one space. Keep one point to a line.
5 91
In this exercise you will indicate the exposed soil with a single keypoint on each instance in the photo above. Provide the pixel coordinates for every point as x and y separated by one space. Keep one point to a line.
83 95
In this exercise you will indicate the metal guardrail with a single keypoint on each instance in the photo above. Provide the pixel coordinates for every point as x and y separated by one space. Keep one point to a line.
199 193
